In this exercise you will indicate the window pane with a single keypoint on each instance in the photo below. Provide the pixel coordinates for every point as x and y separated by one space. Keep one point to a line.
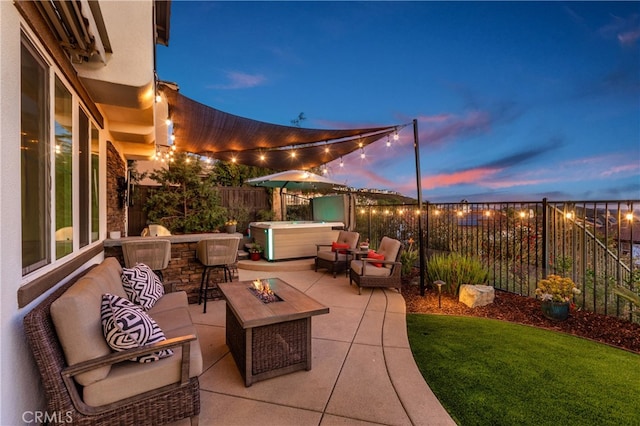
63 170
34 148
85 185
95 183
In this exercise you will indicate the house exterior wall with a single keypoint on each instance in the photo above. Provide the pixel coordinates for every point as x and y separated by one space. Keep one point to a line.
22 396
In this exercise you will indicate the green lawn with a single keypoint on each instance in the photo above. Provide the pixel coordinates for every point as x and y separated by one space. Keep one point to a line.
489 372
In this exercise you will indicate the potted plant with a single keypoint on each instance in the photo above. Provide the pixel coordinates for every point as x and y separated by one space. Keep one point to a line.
230 226
255 251
556 294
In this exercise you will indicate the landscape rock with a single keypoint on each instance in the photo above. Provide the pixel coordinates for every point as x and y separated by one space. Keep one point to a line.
476 295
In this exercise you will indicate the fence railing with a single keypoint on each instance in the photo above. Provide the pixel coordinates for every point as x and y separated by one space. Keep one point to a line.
520 242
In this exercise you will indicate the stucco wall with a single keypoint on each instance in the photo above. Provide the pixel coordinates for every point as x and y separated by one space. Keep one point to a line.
17 374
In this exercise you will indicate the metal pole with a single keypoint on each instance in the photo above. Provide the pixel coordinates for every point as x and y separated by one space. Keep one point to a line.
416 148
545 238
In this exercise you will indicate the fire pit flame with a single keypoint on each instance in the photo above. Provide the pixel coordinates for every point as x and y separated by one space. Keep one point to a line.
263 291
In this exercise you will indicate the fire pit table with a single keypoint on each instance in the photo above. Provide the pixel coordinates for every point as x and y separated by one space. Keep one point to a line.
268 327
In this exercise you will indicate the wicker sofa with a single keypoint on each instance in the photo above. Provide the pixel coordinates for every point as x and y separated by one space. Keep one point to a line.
92 385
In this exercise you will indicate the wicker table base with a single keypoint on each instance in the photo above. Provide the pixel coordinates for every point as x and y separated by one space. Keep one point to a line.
268 340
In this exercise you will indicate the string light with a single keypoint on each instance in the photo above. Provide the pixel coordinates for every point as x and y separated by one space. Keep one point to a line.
158 98
629 217
172 137
362 154
388 141
262 157
341 162
168 121
396 136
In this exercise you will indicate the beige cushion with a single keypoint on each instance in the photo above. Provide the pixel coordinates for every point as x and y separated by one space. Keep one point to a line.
389 247
128 379
348 237
110 273
172 315
76 317
370 270
169 301
331 256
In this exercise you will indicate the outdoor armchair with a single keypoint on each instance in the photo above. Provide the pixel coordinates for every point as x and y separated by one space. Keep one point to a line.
384 273
334 256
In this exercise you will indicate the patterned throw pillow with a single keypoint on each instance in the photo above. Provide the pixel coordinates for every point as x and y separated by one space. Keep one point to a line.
125 325
142 285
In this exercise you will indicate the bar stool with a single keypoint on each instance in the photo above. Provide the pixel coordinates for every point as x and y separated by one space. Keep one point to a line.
153 253
216 253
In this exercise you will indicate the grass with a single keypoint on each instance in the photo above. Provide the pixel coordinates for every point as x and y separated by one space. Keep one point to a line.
490 372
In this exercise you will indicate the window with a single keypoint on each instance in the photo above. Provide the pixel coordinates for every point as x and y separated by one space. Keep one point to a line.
95 183
59 157
63 127
34 148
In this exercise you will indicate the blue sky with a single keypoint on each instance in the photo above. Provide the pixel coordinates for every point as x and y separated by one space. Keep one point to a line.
514 100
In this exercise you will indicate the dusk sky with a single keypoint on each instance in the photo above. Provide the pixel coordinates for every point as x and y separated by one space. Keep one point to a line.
514 100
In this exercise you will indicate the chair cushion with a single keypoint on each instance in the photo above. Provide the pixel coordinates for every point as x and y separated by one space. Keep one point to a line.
127 379
376 256
390 248
369 270
331 256
76 317
348 237
142 285
126 326
339 247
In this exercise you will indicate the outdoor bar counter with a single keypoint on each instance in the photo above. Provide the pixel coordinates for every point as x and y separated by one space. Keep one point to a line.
293 239
184 271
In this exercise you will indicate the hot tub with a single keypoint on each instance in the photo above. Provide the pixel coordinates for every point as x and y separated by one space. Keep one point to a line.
293 239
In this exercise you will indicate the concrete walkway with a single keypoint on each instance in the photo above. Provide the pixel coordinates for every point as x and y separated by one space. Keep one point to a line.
363 370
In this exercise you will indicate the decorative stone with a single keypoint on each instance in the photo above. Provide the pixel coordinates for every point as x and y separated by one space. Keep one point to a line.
476 295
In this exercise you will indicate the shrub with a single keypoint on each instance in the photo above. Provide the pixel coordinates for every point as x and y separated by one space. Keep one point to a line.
408 258
455 269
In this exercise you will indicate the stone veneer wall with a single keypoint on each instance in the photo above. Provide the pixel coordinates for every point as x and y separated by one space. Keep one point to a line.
184 271
116 167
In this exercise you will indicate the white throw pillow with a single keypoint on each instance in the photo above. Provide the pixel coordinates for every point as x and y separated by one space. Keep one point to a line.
142 285
125 325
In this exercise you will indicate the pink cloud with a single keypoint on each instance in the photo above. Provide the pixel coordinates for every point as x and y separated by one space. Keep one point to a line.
452 127
464 177
439 118
629 37
632 167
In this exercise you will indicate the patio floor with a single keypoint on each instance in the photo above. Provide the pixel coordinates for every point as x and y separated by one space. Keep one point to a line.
363 370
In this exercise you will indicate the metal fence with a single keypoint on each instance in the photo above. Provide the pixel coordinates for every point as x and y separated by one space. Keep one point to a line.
520 242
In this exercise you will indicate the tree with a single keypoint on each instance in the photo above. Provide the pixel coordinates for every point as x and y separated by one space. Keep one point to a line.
186 200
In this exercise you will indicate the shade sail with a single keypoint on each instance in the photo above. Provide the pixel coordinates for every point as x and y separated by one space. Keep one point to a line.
204 130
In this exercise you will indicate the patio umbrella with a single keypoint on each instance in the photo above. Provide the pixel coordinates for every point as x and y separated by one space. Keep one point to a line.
294 179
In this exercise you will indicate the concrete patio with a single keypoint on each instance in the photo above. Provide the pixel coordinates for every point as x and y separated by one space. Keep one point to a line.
363 370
